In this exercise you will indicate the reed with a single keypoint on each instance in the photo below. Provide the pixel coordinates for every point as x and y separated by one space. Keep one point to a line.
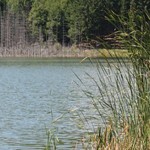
122 89
123 93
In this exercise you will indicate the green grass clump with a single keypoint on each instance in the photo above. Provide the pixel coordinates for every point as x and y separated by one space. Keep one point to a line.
106 53
122 91
123 97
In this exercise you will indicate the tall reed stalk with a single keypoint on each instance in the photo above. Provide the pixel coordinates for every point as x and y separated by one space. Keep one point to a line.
123 97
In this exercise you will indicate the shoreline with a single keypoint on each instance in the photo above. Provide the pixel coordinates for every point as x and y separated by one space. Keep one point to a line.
65 53
78 60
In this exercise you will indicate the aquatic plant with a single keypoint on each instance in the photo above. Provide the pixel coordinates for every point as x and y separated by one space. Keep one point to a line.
123 96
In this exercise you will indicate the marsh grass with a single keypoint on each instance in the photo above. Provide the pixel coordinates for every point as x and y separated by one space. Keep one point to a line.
121 99
51 133
121 96
52 140
123 90
106 53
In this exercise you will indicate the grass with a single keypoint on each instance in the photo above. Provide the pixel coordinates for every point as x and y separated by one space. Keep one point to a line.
75 53
101 53
122 100
105 53
127 121
122 93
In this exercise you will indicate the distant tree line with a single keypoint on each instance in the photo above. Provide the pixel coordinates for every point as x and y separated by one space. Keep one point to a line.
69 21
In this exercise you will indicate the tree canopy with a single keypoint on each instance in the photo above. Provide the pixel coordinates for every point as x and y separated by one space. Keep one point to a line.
70 21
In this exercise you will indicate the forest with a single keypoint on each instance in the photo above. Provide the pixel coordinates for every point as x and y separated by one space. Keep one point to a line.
64 21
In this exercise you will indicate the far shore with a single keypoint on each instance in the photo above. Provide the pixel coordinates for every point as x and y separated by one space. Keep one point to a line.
64 53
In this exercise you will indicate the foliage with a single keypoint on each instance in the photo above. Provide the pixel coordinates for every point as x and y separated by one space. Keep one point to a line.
68 20
2 5
126 106
84 18
38 17
21 5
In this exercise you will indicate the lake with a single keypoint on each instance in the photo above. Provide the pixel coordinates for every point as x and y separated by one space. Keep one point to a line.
37 95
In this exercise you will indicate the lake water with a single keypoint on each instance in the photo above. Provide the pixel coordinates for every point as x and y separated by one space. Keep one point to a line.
36 95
